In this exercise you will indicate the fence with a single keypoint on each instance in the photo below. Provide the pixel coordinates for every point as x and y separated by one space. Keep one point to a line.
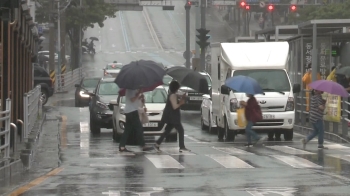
32 106
339 130
5 134
66 81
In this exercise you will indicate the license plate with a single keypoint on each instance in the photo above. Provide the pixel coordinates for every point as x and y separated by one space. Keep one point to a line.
196 98
150 125
268 116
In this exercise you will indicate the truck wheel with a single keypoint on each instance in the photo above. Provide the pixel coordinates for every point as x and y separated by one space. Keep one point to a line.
229 135
44 96
221 131
211 129
93 127
203 126
288 135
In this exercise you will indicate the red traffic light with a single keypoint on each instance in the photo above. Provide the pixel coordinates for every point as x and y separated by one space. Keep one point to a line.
247 7
189 3
243 3
270 7
293 8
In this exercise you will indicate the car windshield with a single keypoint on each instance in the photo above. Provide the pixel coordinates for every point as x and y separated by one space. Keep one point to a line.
155 96
90 82
167 79
270 80
108 88
114 66
208 80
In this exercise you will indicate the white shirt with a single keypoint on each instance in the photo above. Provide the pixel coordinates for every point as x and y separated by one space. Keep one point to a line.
129 105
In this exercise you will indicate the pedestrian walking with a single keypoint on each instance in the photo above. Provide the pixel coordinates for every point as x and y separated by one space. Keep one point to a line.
132 120
317 107
172 117
252 115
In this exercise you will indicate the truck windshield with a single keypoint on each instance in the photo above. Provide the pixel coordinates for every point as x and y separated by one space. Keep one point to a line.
270 80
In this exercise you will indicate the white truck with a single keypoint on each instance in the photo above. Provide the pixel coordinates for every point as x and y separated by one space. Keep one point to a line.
266 62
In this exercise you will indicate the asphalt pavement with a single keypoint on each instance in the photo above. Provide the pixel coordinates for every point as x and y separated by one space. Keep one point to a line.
86 164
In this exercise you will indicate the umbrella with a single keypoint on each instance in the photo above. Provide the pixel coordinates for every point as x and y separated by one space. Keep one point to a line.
244 84
94 38
140 75
329 87
151 88
188 77
344 71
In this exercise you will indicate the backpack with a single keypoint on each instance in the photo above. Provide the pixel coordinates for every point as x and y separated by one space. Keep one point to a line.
258 113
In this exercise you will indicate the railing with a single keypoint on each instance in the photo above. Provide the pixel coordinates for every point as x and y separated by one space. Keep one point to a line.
5 135
336 129
66 81
32 105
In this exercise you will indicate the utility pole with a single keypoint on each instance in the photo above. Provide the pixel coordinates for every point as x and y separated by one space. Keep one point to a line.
58 37
198 23
63 42
52 43
203 49
188 47
80 38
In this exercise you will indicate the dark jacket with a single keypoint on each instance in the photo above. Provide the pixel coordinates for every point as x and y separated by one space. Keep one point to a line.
252 110
171 116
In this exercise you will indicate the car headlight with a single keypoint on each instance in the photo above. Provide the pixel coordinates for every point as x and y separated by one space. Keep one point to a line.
121 111
82 94
102 105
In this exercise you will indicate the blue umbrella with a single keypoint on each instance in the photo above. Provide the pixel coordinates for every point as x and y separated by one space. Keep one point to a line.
244 84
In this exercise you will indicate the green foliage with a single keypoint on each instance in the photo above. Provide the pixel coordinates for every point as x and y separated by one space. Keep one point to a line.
92 12
328 11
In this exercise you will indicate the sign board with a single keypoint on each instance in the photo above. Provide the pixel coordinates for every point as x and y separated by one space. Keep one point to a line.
123 2
155 3
224 2
262 4
130 8
40 29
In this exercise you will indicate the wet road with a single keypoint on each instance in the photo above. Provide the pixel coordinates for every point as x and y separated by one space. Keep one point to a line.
91 164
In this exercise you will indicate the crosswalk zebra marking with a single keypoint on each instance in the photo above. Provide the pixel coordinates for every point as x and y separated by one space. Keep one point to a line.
296 162
164 162
289 150
232 150
336 147
230 162
175 151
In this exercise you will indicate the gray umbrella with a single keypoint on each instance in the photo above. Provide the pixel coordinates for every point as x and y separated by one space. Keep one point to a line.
344 71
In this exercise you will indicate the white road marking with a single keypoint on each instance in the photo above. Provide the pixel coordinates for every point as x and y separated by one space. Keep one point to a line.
175 151
284 191
107 165
111 193
84 127
296 162
195 140
83 110
164 161
289 150
230 162
340 156
336 146
232 150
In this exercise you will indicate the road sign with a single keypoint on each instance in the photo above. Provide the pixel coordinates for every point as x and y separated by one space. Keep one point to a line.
262 4
130 8
224 2
155 3
40 29
123 2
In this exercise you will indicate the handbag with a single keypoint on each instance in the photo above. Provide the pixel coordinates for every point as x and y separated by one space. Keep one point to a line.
241 120
143 116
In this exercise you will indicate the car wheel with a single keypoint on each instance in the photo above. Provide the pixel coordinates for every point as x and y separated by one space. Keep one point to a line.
203 126
44 96
229 135
288 135
211 129
221 132
116 136
171 138
93 127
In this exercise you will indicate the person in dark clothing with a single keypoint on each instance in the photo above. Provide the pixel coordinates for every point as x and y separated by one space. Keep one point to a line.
251 107
172 117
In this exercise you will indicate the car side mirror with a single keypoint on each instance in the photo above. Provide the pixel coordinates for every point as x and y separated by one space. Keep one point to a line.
225 90
77 85
296 88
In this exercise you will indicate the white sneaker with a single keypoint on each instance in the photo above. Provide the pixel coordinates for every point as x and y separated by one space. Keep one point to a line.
184 150
303 142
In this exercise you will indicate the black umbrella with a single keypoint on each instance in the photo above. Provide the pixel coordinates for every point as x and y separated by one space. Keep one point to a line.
94 38
188 77
140 75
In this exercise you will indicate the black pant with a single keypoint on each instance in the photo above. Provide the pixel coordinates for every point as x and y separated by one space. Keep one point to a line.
132 124
168 129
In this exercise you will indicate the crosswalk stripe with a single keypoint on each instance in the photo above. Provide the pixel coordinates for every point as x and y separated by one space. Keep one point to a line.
336 146
175 151
164 161
289 150
296 162
340 156
230 162
232 150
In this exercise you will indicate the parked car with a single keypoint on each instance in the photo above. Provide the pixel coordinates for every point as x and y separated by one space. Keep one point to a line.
112 69
86 85
155 103
194 98
100 113
207 121
42 78
166 81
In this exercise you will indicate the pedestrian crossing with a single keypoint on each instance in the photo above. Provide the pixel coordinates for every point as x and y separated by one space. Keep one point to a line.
143 52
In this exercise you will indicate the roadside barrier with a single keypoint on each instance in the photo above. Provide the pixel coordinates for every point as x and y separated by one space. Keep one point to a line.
5 134
32 106
66 81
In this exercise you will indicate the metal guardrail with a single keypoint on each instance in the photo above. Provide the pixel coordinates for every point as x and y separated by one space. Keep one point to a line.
66 81
32 105
301 116
5 118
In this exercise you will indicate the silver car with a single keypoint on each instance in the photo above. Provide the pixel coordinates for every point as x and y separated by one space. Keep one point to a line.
112 69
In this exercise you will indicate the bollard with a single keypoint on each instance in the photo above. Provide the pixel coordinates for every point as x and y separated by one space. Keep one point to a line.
13 125
20 129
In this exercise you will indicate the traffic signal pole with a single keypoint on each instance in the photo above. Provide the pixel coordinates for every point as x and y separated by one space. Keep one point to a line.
203 13
188 48
198 24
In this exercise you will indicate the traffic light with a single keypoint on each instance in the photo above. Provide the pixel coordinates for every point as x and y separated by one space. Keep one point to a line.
188 5
293 8
203 37
243 4
247 7
270 8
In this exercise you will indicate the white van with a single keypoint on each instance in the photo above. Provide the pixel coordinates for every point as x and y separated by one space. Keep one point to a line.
266 62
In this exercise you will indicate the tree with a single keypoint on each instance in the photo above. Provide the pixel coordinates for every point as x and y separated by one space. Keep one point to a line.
77 19
327 11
